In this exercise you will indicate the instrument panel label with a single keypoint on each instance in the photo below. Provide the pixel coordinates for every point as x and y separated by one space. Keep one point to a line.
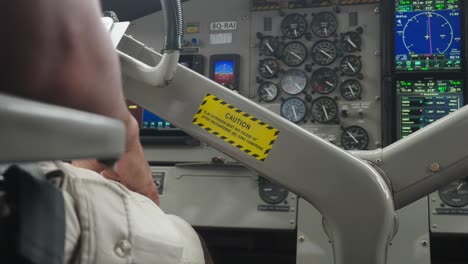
227 25
241 130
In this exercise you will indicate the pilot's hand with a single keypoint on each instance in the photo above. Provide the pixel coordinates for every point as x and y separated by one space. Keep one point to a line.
132 170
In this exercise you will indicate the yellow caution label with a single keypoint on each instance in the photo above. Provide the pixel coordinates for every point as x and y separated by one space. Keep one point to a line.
236 127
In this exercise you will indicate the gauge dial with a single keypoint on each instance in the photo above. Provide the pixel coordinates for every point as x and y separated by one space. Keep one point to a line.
268 68
294 26
351 65
324 110
294 109
270 46
355 138
294 82
324 81
268 92
351 41
351 90
271 192
294 54
324 24
455 194
324 53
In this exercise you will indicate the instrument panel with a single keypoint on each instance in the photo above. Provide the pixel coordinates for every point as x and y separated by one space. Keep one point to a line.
323 73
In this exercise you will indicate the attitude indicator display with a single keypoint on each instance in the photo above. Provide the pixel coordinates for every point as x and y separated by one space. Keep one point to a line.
428 35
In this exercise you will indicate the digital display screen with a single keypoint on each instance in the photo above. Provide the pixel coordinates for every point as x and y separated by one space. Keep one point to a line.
224 72
428 35
146 119
422 102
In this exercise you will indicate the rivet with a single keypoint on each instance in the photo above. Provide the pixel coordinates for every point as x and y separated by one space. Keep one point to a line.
435 167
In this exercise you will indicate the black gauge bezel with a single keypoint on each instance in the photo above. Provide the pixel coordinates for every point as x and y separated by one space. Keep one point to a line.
262 182
320 99
346 45
284 49
264 84
342 90
447 200
319 71
328 62
315 20
275 74
301 33
355 127
354 73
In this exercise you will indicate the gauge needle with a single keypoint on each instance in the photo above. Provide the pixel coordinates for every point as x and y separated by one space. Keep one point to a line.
325 112
294 112
351 42
326 31
269 92
326 54
351 90
295 33
460 186
295 55
269 69
269 47
298 87
351 66
329 84
354 138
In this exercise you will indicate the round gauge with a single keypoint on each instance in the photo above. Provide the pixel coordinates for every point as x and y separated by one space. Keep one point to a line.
324 81
294 54
324 53
351 90
294 109
351 41
268 92
455 194
351 65
324 110
324 24
270 192
294 26
294 82
355 138
270 46
268 68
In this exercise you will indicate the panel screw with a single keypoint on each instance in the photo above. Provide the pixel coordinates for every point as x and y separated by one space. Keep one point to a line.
293 210
292 222
435 167
377 53
434 200
377 98
424 243
434 226
301 239
376 10
378 161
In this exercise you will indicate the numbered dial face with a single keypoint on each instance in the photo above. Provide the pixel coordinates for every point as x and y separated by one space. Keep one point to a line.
268 68
324 110
268 92
351 41
355 138
294 82
294 54
324 24
294 26
351 65
351 90
455 194
324 81
294 109
270 192
270 46
324 53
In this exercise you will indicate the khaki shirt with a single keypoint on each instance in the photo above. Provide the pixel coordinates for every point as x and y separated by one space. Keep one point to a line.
107 223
